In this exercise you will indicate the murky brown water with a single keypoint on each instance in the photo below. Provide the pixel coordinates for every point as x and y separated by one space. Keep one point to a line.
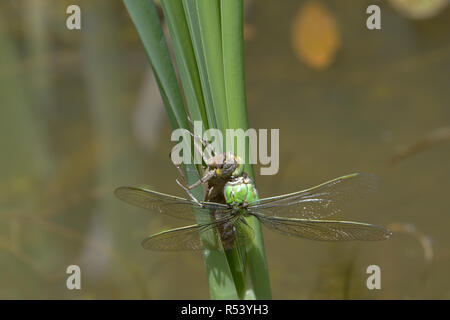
73 127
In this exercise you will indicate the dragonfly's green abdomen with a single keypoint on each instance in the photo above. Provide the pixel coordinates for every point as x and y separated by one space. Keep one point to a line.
240 190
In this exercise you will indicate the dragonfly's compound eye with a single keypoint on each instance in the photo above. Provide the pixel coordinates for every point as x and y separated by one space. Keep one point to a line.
228 169
230 166
238 167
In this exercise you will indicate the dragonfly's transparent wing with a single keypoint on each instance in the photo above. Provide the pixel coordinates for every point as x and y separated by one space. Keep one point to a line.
167 204
241 236
199 236
185 238
326 230
320 201
244 232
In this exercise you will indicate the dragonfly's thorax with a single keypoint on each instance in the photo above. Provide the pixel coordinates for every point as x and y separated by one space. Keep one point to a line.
240 191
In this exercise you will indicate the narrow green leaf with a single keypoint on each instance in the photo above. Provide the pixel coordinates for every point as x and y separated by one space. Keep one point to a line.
234 75
185 58
210 30
194 29
143 13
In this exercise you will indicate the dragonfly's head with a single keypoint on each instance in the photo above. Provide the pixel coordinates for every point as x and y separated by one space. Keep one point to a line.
226 165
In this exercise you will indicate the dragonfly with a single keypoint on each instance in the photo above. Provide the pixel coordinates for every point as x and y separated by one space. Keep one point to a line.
219 168
222 226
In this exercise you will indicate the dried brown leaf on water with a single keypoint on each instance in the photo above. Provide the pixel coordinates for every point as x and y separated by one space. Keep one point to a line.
315 35
432 139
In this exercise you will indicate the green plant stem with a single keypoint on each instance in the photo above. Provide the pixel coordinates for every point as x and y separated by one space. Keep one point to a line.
234 75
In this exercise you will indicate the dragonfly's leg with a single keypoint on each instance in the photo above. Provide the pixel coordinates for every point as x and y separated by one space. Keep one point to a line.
188 191
201 180
204 142
195 135
192 186
203 153
180 171
190 121
204 179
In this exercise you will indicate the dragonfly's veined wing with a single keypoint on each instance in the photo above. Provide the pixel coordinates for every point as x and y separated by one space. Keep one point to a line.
169 205
325 230
320 201
200 236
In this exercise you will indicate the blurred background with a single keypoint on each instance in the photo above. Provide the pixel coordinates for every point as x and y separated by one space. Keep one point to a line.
80 114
